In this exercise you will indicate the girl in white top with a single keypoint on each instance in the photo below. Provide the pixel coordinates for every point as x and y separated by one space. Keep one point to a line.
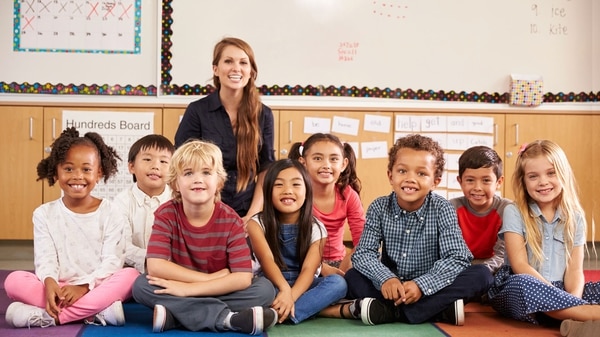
288 243
78 244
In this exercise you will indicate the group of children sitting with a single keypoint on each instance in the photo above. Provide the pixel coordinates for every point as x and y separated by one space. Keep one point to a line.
170 243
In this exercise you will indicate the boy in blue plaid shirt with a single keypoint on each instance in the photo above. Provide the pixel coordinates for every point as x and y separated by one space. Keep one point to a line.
412 264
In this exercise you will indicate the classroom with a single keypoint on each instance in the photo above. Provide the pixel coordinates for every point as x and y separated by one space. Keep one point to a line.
465 73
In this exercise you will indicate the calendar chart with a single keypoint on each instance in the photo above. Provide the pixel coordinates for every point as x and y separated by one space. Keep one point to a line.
119 130
77 26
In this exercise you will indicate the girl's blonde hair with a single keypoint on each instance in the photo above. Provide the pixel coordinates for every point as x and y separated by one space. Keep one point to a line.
567 201
196 154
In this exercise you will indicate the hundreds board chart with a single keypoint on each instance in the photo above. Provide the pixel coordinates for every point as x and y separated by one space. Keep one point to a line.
119 130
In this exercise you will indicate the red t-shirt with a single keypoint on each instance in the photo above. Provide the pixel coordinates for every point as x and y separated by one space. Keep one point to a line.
480 230
219 244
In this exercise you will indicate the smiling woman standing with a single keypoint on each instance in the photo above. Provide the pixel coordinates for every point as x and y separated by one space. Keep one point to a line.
234 118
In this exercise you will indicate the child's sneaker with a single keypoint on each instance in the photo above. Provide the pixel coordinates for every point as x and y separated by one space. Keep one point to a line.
254 320
112 315
21 315
571 328
455 313
163 320
374 311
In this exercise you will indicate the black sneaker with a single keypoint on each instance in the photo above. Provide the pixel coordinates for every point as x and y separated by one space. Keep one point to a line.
455 313
163 320
374 311
254 321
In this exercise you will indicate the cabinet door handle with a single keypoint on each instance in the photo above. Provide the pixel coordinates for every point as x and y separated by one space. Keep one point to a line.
495 134
290 124
53 128
516 134
30 128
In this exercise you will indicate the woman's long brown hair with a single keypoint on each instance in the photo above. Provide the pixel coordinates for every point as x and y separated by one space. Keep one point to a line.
247 131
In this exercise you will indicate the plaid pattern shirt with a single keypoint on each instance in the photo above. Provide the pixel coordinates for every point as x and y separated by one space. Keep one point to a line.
425 246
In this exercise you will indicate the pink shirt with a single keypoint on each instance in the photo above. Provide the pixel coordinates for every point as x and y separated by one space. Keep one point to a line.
349 208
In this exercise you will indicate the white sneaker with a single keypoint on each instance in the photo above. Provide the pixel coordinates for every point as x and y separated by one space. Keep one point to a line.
21 315
112 315
455 313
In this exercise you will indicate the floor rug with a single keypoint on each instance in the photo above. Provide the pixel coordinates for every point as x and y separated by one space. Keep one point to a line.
332 327
138 320
482 320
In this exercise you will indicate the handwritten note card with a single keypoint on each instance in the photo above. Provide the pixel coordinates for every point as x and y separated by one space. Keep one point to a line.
477 124
371 150
344 125
377 123
408 124
316 125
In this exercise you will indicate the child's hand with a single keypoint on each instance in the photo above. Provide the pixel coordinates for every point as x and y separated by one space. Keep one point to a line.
72 293
327 270
393 290
54 297
170 287
284 304
412 293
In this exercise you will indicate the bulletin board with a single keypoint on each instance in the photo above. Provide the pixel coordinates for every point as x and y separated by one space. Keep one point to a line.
409 49
71 47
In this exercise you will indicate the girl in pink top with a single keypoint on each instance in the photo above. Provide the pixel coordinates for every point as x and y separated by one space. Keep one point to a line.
331 165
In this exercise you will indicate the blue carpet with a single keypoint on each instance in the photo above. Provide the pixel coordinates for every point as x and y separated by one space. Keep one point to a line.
138 322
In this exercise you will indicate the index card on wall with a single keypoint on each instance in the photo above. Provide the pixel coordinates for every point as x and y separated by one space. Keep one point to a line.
399 135
444 181
478 124
354 146
408 124
434 123
371 150
452 182
452 161
457 141
481 140
316 125
344 125
377 123
441 138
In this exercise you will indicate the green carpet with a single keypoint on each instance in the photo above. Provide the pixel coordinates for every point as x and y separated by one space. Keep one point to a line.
332 327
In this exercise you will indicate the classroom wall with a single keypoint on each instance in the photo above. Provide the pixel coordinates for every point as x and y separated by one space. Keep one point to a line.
418 49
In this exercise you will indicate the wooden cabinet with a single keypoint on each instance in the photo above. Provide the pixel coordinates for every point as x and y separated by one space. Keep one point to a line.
21 142
171 119
28 133
26 138
574 133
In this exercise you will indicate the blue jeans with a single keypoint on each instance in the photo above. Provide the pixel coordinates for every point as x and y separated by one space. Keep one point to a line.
323 292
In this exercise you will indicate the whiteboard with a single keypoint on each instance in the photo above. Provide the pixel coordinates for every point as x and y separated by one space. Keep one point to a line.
345 48
466 45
